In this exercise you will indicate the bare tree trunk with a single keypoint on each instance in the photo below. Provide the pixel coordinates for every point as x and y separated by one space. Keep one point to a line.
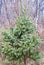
0 5
37 8
6 12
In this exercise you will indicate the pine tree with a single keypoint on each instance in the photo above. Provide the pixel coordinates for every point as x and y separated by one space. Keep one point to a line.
21 42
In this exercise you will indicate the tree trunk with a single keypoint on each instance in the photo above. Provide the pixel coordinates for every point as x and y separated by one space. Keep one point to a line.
36 62
25 63
13 63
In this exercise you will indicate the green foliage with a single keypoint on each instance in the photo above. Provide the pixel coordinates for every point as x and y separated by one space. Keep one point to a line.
21 41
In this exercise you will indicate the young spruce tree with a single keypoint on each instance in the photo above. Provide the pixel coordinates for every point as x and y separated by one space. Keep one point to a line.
21 42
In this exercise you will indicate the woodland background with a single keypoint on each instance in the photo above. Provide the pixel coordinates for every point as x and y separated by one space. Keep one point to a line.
34 9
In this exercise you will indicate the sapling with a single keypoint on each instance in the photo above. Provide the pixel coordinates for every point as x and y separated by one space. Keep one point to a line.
21 42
